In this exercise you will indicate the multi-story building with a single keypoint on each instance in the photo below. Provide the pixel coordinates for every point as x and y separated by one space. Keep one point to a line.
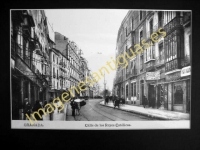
42 34
84 71
55 67
72 52
29 57
162 70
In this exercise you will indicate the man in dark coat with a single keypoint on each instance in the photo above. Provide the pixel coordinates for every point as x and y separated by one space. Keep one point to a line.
36 107
73 106
27 108
117 101
145 101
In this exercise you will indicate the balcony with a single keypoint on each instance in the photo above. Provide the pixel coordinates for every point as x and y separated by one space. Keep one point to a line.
173 24
186 17
150 65
173 65
160 60
185 61
128 74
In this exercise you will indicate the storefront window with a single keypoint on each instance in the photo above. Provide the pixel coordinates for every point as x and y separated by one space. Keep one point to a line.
178 94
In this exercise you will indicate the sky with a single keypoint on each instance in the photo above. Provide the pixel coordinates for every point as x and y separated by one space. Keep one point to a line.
94 31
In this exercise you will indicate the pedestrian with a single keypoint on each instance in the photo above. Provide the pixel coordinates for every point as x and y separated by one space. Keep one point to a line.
36 107
41 103
117 101
73 106
145 101
27 108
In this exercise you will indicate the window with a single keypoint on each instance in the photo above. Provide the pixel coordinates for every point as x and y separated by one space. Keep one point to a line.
160 19
151 26
132 23
141 62
126 32
131 64
20 41
171 47
140 15
161 51
141 36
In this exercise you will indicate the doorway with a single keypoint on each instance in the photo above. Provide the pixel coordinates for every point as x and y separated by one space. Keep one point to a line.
142 91
158 95
151 96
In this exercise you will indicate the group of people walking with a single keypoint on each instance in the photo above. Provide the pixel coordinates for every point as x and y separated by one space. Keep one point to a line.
27 109
117 101
76 106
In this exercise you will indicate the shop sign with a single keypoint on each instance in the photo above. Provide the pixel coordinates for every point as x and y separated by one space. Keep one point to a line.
186 71
153 75
173 77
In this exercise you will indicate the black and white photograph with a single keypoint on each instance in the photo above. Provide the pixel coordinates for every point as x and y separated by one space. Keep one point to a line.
100 69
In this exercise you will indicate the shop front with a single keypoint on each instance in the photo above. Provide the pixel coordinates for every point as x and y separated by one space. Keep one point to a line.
177 91
152 82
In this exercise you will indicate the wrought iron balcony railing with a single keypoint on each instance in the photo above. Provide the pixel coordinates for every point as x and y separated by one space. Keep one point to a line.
176 22
172 65
150 65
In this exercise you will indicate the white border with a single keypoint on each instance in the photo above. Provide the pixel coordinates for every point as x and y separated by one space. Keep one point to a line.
101 125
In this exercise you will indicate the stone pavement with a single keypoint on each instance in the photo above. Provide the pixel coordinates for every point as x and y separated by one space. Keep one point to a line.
150 112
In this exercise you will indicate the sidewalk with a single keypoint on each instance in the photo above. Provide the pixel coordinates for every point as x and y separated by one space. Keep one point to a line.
150 112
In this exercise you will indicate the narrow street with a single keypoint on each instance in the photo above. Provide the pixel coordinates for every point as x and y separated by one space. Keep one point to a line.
93 111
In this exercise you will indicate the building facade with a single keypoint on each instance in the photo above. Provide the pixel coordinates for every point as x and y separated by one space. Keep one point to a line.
162 70
29 57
